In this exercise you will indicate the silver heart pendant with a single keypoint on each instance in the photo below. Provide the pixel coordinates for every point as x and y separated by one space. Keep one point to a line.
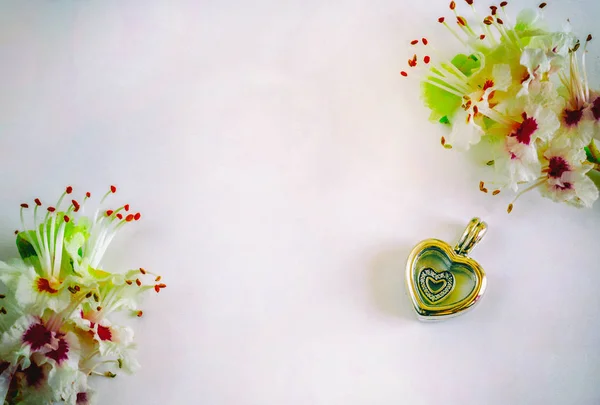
443 281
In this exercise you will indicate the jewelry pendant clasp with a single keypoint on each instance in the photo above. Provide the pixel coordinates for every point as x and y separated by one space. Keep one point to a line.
472 235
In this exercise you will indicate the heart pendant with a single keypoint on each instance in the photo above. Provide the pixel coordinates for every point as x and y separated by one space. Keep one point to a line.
443 281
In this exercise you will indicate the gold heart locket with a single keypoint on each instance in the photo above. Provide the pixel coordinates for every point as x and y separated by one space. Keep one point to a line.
443 281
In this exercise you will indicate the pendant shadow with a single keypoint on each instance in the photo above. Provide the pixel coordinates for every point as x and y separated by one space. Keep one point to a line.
387 272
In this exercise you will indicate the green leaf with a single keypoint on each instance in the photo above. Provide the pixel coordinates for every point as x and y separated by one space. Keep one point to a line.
466 64
27 251
592 152
595 176
526 20
589 155
25 248
440 102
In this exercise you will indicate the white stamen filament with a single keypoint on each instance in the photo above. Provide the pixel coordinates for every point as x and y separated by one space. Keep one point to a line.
576 86
45 254
496 116
585 77
462 41
504 34
59 247
445 88
534 185
108 237
507 21
52 238
450 68
451 81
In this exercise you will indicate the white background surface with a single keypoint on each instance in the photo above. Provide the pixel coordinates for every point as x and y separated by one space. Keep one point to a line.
285 170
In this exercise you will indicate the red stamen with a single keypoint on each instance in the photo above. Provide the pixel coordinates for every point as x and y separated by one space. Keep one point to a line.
88 194
113 189
138 282
129 282
137 216
403 73
43 285
441 20
24 205
17 232
38 202
157 288
119 216
129 218
66 218
426 59
76 205
424 40
157 279
543 5
482 37
469 2
109 213
126 207
142 270
51 209
488 84
414 42
140 313
162 285
503 4
488 20
461 21
69 190
499 21
452 5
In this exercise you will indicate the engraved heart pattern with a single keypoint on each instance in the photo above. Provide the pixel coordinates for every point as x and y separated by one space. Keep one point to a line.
435 286
434 293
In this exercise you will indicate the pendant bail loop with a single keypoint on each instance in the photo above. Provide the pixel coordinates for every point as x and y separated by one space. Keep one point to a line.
472 235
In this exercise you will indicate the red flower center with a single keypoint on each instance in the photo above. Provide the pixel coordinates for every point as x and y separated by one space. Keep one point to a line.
82 398
37 336
557 166
488 84
525 130
565 186
572 117
104 333
61 353
34 375
596 108
43 285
